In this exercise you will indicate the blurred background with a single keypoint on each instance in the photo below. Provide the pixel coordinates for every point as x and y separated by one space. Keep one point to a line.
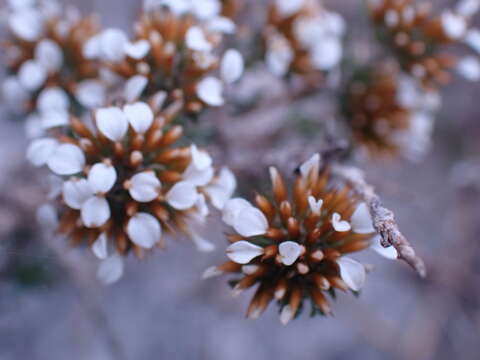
52 307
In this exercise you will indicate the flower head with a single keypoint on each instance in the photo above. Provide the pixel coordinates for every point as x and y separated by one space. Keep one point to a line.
128 178
295 248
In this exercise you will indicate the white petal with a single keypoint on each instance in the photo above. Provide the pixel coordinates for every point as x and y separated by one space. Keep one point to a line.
182 196
242 252
250 222
195 39
102 177
110 270
134 87
289 252
54 118
200 159
222 189
14 94
467 7
112 123
453 25
20 5
222 25
40 151
140 116
112 45
75 192
91 93
201 206
52 98
340 225
49 54
352 272
315 206
201 243
92 47
67 159
209 90
211 272
137 50
469 68
361 220
33 126
205 9
279 55
144 186
99 247
32 75
312 164
472 39
95 212
232 208
198 177
288 7
327 53
26 24
232 66
389 252
286 315
144 230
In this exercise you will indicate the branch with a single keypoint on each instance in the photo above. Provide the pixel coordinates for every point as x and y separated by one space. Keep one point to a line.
383 218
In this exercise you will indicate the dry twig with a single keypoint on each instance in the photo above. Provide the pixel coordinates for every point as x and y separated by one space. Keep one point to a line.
383 218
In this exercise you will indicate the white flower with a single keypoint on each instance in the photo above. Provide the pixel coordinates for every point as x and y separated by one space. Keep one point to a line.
139 115
279 55
40 151
110 269
49 54
195 40
32 75
200 170
182 196
144 230
289 252
112 122
27 24
54 118
352 272
469 68
242 252
472 39
137 50
339 225
33 126
250 222
91 93
52 98
144 186
312 165
222 188
134 87
361 220
209 90
75 192
221 24
453 25
327 53
388 252
102 177
315 205
99 247
19 5
232 66
467 7
211 272
205 9
66 159
95 212
13 93
112 45
232 208
287 8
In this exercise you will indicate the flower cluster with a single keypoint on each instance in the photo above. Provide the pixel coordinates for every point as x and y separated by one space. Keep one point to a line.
418 39
173 51
302 37
389 114
47 71
295 247
126 179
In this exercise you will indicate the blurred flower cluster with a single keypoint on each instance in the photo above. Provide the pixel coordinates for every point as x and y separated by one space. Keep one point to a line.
110 115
